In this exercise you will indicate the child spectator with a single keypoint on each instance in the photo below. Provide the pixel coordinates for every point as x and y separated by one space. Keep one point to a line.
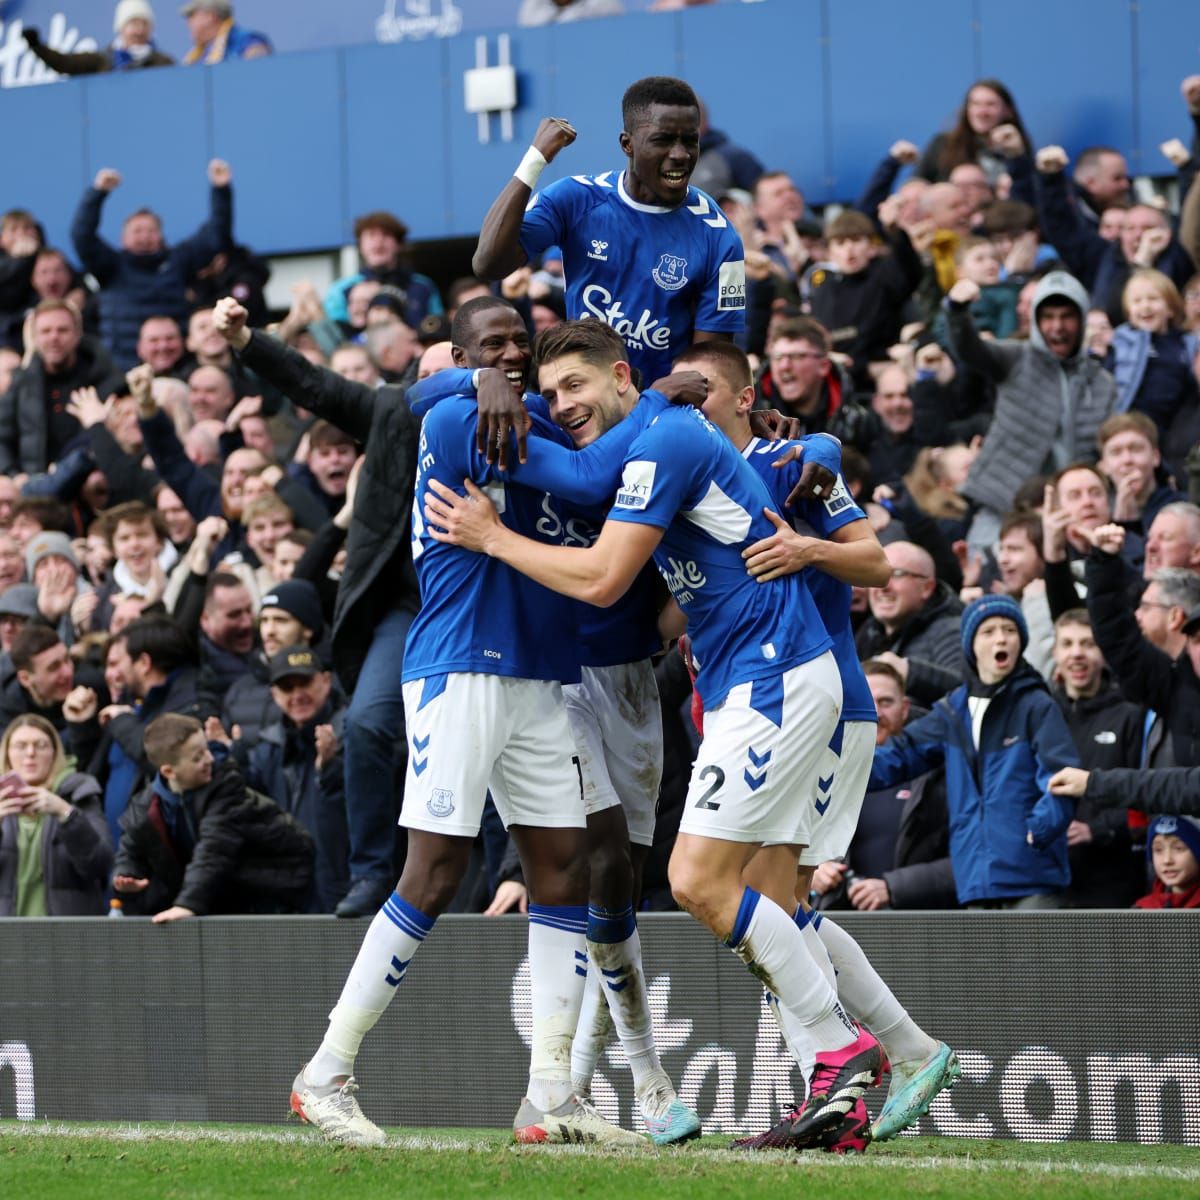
1001 737
995 312
141 557
198 841
1152 360
1173 850
860 301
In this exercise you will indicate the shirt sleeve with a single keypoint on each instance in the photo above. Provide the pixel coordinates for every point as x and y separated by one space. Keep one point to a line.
837 509
547 216
722 304
657 476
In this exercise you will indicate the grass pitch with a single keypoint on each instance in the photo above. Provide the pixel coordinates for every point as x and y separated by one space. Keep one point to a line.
44 1161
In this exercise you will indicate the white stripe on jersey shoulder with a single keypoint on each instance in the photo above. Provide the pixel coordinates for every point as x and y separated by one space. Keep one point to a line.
757 445
708 210
720 516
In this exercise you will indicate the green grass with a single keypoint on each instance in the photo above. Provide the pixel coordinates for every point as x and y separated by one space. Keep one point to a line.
41 1161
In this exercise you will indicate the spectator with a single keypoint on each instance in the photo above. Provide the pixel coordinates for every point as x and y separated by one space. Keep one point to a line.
988 105
861 299
18 606
900 854
1101 182
141 558
383 252
267 519
236 272
1027 432
36 426
914 625
198 841
179 524
215 37
1173 539
55 849
1130 459
145 277
801 381
210 394
995 312
1155 662
778 207
226 632
289 550
1108 732
1173 850
132 47
36 514
297 761
51 565
722 164
1022 569
326 469
205 344
290 616
1152 360
160 343
21 238
553 12
895 448
1000 737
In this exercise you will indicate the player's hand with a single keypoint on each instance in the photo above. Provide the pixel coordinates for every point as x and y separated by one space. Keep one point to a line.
469 521
1006 140
501 413
1069 781
175 913
107 180
511 894
783 553
81 704
219 173
1079 833
869 895
129 883
904 152
686 388
828 876
1051 160
773 425
229 320
1109 539
964 291
553 135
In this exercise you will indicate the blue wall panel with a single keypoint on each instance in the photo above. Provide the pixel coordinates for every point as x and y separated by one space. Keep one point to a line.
154 129
396 100
869 110
1168 50
279 123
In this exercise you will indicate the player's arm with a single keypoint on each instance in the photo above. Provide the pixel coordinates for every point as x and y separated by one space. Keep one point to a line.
852 554
499 251
600 574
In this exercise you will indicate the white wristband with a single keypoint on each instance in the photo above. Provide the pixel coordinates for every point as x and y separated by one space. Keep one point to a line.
530 167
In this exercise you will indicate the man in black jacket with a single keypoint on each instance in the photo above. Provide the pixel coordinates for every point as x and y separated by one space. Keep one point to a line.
198 841
378 595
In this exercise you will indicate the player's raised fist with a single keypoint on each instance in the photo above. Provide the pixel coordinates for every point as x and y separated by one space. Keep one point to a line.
107 180
683 387
553 134
229 320
1051 160
965 291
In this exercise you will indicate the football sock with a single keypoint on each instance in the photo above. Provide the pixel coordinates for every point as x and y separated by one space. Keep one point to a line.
796 1038
766 940
393 937
805 921
869 999
615 954
557 972
595 1025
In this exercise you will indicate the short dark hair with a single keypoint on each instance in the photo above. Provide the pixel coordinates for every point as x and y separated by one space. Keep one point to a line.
856 469
388 222
641 96
220 579
730 361
596 341
464 283
1030 522
801 329
298 537
876 666
851 224
1090 158
1056 478
324 433
160 638
1007 216
166 735
132 512
34 639
143 212
49 513
1073 616
462 328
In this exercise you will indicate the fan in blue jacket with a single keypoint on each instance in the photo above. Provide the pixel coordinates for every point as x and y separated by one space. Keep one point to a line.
1001 736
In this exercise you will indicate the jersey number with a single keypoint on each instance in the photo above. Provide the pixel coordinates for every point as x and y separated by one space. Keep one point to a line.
718 782
579 772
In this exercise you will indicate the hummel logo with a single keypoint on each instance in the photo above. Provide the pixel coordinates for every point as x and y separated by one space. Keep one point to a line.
598 251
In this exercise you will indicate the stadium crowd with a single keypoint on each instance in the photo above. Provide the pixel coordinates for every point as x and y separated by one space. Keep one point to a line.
205 566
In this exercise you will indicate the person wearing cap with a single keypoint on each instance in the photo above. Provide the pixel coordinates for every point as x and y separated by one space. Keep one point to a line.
51 564
288 615
132 45
1000 736
1029 434
297 761
215 36
1173 852
18 604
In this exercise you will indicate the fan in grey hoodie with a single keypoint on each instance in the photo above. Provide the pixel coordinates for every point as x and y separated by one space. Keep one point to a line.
1051 397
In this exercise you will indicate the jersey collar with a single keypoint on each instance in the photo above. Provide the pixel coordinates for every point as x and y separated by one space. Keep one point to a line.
646 208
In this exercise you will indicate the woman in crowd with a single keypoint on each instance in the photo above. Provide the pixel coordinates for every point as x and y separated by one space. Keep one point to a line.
55 852
988 104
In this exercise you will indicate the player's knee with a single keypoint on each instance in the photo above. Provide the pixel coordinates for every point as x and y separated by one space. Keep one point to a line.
689 886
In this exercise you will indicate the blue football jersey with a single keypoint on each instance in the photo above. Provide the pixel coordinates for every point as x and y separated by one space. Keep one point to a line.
685 477
832 597
656 275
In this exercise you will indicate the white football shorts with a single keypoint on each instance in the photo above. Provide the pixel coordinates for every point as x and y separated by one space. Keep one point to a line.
616 718
468 733
756 771
838 796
